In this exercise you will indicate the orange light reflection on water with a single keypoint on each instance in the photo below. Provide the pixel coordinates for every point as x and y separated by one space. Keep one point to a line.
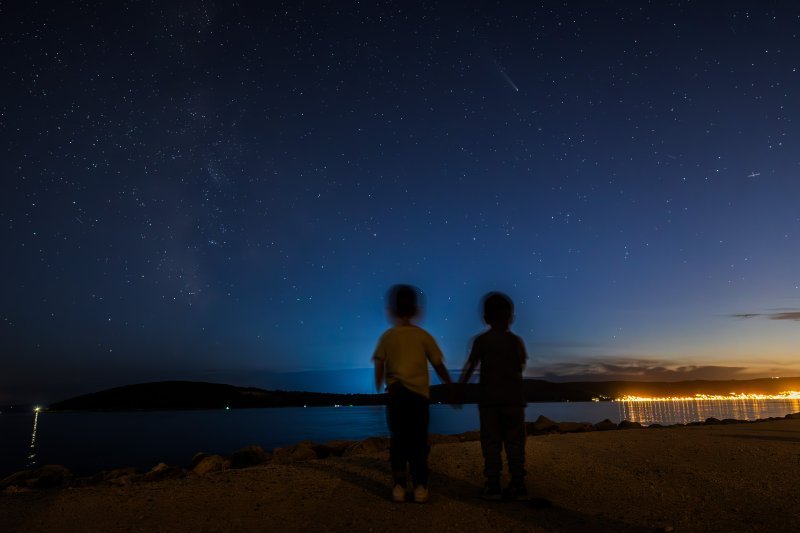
685 410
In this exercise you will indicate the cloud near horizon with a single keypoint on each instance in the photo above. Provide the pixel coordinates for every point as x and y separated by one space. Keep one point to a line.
624 369
782 315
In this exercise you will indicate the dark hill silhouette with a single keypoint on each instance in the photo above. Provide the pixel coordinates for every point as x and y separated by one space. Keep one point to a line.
198 395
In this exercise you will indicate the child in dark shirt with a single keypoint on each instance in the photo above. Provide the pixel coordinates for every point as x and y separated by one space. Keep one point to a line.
501 356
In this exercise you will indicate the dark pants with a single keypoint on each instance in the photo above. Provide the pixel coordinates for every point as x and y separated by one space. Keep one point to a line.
503 426
407 416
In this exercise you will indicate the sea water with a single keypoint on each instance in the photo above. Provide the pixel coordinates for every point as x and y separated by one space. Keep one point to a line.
90 442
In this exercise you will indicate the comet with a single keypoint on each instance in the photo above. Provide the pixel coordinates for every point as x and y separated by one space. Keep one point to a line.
506 76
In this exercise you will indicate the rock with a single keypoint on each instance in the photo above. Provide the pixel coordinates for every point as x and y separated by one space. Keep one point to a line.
368 446
544 424
197 458
302 451
86 481
249 456
627 424
121 476
163 471
50 476
469 436
45 477
605 425
435 438
655 426
17 479
732 421
118 473
712 421
574 427
333 447
792 416
209 464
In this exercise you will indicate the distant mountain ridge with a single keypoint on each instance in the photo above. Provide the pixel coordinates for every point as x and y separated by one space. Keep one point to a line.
200 395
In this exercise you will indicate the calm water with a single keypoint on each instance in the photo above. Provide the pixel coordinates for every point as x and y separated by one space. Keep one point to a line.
89 442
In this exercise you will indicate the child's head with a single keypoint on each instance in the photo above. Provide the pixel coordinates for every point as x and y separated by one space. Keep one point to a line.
498 310
402 301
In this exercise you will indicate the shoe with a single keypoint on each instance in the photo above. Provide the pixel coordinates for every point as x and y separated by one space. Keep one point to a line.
421 494
398 493
515 491
491 491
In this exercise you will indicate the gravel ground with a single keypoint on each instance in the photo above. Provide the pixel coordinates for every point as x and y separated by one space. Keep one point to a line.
742 477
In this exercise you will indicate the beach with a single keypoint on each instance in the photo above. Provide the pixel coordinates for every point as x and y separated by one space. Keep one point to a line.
710 477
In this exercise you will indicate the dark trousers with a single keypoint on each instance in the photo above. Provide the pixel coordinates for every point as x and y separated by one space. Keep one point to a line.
503 426
407 416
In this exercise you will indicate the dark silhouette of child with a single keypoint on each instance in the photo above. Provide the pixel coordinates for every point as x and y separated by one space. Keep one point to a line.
501 356
401 358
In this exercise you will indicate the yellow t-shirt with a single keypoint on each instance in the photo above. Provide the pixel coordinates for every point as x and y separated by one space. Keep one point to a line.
406 350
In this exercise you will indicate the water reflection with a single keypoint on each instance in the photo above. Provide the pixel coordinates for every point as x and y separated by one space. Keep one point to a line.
688 410
32 448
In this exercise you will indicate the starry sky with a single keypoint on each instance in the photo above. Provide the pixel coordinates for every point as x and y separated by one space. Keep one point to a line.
224 191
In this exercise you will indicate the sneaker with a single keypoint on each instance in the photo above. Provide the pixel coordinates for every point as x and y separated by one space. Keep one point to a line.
491 491
515 491
421 494
398 493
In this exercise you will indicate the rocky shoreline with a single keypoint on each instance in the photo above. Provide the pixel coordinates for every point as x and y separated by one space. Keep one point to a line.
59 476
711 476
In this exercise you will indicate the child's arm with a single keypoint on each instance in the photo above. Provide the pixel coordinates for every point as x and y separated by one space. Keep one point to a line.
379 375
469 368
470 364
443 374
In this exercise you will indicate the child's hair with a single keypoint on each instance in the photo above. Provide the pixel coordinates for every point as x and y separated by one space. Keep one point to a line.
403 301
498 309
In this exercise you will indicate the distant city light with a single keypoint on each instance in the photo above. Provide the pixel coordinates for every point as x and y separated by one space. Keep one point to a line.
785 395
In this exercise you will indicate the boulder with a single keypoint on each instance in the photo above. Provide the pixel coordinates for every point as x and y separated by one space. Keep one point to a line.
574 427
163 471
302 451
368 446
333 447
50 476
209 464
543 424
118 473
17 479
732 421
249 456
627 424
792 416
435 438
45 477
197 458
605 425
469 436
119 476
712 421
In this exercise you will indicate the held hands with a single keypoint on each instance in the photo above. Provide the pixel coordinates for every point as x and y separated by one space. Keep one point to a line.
454 395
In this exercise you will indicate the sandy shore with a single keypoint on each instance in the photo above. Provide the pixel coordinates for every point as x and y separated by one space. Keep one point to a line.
743 477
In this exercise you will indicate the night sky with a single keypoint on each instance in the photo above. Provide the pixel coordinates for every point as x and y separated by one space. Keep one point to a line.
224 192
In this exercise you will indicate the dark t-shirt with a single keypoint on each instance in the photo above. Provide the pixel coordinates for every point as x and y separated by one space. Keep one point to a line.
501 356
